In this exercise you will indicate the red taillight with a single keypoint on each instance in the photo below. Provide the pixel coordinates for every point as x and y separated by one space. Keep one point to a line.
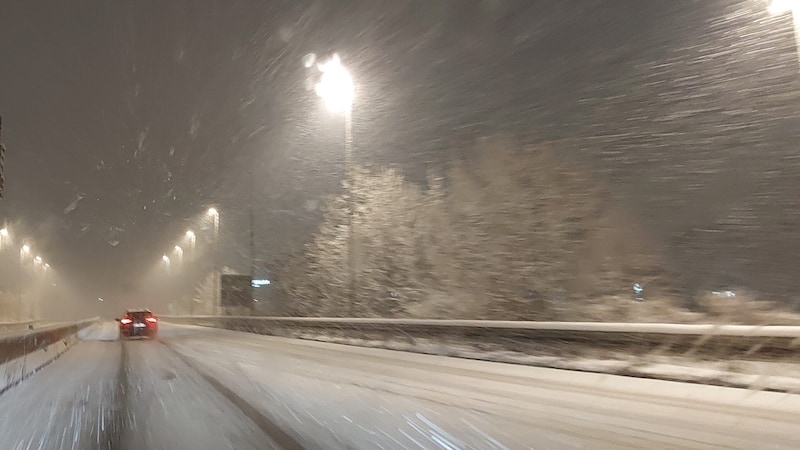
125 321
151 319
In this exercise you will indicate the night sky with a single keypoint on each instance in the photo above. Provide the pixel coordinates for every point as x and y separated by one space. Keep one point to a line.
148 112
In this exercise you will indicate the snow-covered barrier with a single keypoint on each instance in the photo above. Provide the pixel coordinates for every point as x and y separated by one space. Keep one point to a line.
562 338
6 327
25 353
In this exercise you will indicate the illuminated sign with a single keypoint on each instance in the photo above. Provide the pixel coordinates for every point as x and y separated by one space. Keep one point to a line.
260 283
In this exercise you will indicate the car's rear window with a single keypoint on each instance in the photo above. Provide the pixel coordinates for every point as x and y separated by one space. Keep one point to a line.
138 315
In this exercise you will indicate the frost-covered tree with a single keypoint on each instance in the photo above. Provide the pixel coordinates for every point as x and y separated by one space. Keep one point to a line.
513 234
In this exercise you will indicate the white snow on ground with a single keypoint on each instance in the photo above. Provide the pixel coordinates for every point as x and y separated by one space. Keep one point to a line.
101 331
82 401
781 376
141 394
175 408
351 397
16 370
68 405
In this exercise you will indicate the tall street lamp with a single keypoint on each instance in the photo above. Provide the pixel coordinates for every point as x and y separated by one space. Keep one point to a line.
24 252
778 7
214 214
3 236
335 88
190 236
178 251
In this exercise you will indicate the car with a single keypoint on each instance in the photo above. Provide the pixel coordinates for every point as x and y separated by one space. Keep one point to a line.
138 323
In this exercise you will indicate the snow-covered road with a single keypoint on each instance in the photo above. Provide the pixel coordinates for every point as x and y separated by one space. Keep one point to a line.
215 389
107 394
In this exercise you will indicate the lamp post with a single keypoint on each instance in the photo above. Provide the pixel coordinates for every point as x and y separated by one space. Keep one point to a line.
214 214
3 236
178 251
165 259
192 239
335 88
778 7
39 271
24 252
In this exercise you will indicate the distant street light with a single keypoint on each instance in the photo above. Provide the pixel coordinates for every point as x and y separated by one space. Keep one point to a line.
3 236
38 264
190 236
178 254
24 252
213 213
166 261
335 88
778 7
781 6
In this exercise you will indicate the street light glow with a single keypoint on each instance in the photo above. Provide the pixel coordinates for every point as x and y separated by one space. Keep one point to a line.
26 248
37 259
212 212
190 236
777 7
335 86
165 258
4 232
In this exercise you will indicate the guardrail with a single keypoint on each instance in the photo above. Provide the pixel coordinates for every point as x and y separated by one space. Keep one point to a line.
23 354
561 338
17 345
14 326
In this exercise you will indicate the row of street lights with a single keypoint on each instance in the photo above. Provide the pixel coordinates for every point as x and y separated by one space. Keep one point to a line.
25 251
26 254
191 239
173 261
